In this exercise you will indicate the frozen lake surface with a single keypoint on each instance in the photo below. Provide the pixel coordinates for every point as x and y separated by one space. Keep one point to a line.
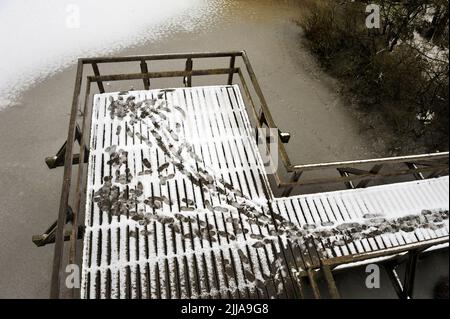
41 37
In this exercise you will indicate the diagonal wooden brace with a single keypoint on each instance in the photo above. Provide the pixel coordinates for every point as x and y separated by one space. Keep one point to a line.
58 159
346 171
375 170
405 288
48 237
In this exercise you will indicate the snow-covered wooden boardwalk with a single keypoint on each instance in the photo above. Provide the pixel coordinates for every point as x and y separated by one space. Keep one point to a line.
359 221
185 234
179 205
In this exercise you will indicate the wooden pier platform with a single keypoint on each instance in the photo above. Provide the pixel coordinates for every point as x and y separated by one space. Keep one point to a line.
179 205
185 236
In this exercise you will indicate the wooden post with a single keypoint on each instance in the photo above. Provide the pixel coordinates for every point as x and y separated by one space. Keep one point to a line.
410 275
313 283
187 81
262 118
101 88
332 288
230 76
144 70
375 170
405 288
64 202
294 179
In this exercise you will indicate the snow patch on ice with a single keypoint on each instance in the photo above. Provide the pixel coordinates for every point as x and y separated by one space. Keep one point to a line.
39 37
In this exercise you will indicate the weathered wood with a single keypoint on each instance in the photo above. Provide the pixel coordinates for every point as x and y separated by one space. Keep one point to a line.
80 187
333 180
144 69
294 179
188 78
332 288
49 238
157 57
375 170
387 160
418 176
156 75
349 184
101 88
230 76
58 252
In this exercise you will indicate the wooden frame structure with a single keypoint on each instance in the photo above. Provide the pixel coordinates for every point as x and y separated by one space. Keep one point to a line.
354 174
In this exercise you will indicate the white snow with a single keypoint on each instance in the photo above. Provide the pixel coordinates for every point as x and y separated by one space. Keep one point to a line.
430 50
41 37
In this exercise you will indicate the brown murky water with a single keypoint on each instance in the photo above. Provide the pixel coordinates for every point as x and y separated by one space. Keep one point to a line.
303 101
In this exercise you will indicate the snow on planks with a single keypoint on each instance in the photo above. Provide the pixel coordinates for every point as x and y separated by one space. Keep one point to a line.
364 220
186 239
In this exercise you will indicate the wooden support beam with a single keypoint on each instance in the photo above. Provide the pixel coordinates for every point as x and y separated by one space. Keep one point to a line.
101 88
65 189
349 184
410 275
230 75
405 288
54 162
388 160
294 179
313 283
332 288
46 238
144 70
429 162
159 75
343 179
395 279
436 173
418 176
187 80
262 118
59 159
375 170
